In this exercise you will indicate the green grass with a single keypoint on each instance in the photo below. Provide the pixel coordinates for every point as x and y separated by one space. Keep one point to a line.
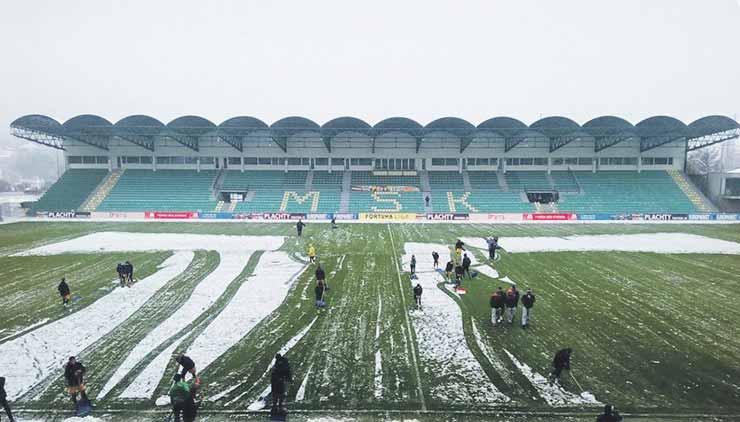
652 333
29 283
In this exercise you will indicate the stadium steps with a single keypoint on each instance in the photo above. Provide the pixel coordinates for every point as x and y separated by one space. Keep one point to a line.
219 206
501 176
466 181
346 192
700 201
70 191
309 181
218 183
101 192
230 207
424 179
550 180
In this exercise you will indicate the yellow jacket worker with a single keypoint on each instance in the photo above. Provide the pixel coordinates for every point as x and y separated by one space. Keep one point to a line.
311 253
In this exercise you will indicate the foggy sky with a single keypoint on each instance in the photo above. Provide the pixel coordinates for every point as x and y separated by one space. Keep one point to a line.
370 59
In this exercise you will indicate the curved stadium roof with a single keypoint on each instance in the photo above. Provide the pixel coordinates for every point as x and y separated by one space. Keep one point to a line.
189 130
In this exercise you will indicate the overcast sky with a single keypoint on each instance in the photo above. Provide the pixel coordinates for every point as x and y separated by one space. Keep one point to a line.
371 59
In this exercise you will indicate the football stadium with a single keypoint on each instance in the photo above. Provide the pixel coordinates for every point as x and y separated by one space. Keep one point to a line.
370 257
391 211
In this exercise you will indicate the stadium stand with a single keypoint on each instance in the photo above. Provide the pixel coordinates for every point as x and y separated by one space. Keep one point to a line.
162 190
564 181
385 201
626 192
527 180
70 191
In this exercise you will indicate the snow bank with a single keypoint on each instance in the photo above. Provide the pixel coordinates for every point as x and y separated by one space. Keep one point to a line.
655 242
25 329
147 242
458 376
553 394
30 358
257 298
202 298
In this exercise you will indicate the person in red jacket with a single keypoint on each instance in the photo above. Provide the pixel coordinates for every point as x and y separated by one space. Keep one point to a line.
497 306
512 300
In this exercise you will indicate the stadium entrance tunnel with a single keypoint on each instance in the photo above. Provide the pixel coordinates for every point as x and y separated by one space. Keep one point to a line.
543 196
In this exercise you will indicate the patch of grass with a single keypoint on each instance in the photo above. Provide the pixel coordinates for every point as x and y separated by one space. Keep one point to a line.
29 283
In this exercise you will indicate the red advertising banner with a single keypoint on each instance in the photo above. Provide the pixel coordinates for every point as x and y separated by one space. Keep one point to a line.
175 215
549 217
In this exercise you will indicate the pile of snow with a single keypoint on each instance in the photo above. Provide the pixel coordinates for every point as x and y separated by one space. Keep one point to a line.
30 358
205 294
458 376
257 298
553 394
163 401
655 242
147 242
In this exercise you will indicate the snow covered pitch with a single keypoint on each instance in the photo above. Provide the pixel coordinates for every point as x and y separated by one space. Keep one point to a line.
650 311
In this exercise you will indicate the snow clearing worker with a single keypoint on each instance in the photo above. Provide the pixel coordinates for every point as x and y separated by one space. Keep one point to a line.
492 246
188 365
333 222
448 270
466 265
74 374
299 227
610 415
560 362
417 295
497 306
182 396
129 275
413 264
435 257
459 249
311 254
459 271
319 293
321 276
64 291
512 300
4 400
121 274
279 377
527 303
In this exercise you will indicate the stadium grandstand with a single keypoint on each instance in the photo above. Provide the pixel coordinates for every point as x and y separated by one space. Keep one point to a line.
346 165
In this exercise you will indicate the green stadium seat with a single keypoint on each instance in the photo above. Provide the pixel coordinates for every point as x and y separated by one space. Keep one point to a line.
70 191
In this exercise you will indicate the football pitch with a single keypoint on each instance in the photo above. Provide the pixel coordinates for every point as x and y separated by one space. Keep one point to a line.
654 331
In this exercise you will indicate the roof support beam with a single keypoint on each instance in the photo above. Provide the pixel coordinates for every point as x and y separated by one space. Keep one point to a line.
418 144
709 140
41 138
561 141
327 143
373 145
90 140
465 143
646 144
235 141
143 141
510 143
282 142
605 142
188 141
